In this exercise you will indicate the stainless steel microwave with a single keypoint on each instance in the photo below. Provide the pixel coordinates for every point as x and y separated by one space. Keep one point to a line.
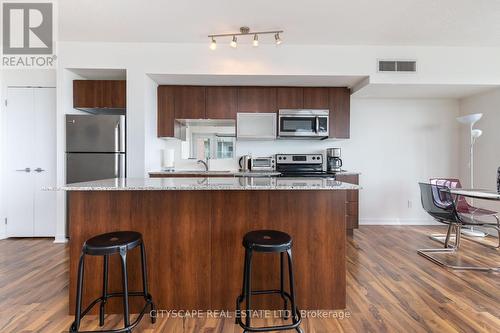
301 123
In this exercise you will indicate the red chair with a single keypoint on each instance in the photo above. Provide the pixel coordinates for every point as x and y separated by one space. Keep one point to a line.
473 215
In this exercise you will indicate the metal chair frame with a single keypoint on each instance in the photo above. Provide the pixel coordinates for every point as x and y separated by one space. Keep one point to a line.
457 223
439 237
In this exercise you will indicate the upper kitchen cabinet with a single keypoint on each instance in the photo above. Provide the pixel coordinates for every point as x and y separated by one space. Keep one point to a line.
92 95
316 98
224 102
115 92
340 104
221 102
257 99
189 102
290 98
166 116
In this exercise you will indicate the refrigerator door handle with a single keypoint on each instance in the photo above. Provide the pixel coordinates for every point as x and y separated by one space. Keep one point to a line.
120 165
121 135
117 137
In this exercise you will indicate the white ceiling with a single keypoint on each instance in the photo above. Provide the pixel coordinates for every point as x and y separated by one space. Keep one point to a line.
341 22
259 80
417 91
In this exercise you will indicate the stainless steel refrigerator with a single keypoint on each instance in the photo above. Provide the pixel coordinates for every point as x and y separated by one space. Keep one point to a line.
95 147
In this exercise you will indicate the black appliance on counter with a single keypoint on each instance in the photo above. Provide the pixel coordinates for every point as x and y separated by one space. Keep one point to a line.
301 165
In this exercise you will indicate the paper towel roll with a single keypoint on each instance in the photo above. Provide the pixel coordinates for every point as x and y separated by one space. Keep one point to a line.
167 160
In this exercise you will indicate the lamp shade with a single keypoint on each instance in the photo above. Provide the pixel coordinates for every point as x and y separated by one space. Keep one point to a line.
470 118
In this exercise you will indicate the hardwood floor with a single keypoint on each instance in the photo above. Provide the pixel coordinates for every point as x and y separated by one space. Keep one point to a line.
389 289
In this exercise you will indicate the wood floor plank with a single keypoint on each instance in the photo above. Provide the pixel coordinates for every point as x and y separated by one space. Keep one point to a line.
390 288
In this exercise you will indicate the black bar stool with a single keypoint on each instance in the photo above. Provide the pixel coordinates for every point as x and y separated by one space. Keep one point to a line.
267 241
106 245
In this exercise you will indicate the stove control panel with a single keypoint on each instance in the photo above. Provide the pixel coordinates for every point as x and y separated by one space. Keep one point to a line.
299 159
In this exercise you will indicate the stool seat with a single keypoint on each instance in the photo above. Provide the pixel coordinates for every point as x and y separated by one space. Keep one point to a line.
267 241
112 242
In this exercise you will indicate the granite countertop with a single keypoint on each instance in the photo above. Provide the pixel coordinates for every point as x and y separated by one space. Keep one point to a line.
231 172
207 183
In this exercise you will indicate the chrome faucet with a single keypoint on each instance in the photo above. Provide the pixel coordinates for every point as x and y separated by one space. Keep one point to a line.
205 164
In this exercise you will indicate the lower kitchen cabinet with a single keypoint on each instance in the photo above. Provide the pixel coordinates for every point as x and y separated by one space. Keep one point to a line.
352 202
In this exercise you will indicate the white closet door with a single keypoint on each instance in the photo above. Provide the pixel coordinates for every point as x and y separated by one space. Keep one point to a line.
20 140
44 162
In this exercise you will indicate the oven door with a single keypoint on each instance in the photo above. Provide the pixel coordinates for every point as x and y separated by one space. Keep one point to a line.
298 125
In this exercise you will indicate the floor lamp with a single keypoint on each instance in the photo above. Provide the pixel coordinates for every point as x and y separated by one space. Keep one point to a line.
470 120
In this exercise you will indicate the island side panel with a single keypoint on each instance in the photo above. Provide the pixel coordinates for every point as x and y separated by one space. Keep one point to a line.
176 230
193 242
316 222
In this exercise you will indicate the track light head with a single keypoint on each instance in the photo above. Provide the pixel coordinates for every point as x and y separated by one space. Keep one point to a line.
213 44
255 40
234 42
278 39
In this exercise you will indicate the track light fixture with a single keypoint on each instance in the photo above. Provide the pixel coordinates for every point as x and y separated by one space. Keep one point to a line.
245 31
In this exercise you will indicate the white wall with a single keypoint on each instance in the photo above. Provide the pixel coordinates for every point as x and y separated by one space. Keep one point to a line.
486 149
20 78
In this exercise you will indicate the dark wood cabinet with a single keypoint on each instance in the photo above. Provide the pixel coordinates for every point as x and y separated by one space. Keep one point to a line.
114 94
221 102
189 102
352 202
257 99
86 93
290 98
214 102
340 104
166 112
99 94
316 98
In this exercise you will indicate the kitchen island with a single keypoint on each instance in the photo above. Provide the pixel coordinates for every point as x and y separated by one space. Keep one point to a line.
193 230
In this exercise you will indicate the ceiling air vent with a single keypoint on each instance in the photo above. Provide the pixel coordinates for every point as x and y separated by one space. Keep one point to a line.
405 66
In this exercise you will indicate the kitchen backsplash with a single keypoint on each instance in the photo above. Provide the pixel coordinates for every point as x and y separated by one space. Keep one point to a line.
258 149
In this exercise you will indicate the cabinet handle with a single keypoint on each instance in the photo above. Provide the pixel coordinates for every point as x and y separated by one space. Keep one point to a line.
38 170
24 170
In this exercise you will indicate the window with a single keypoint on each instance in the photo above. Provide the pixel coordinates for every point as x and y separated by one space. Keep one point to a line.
210 146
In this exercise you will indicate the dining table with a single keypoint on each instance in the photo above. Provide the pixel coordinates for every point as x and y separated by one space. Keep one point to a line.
476 193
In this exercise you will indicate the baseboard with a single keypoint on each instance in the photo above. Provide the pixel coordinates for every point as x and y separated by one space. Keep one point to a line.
396 221
59 239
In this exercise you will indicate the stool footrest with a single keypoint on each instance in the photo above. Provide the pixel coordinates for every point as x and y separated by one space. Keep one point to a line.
295 325
147 297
